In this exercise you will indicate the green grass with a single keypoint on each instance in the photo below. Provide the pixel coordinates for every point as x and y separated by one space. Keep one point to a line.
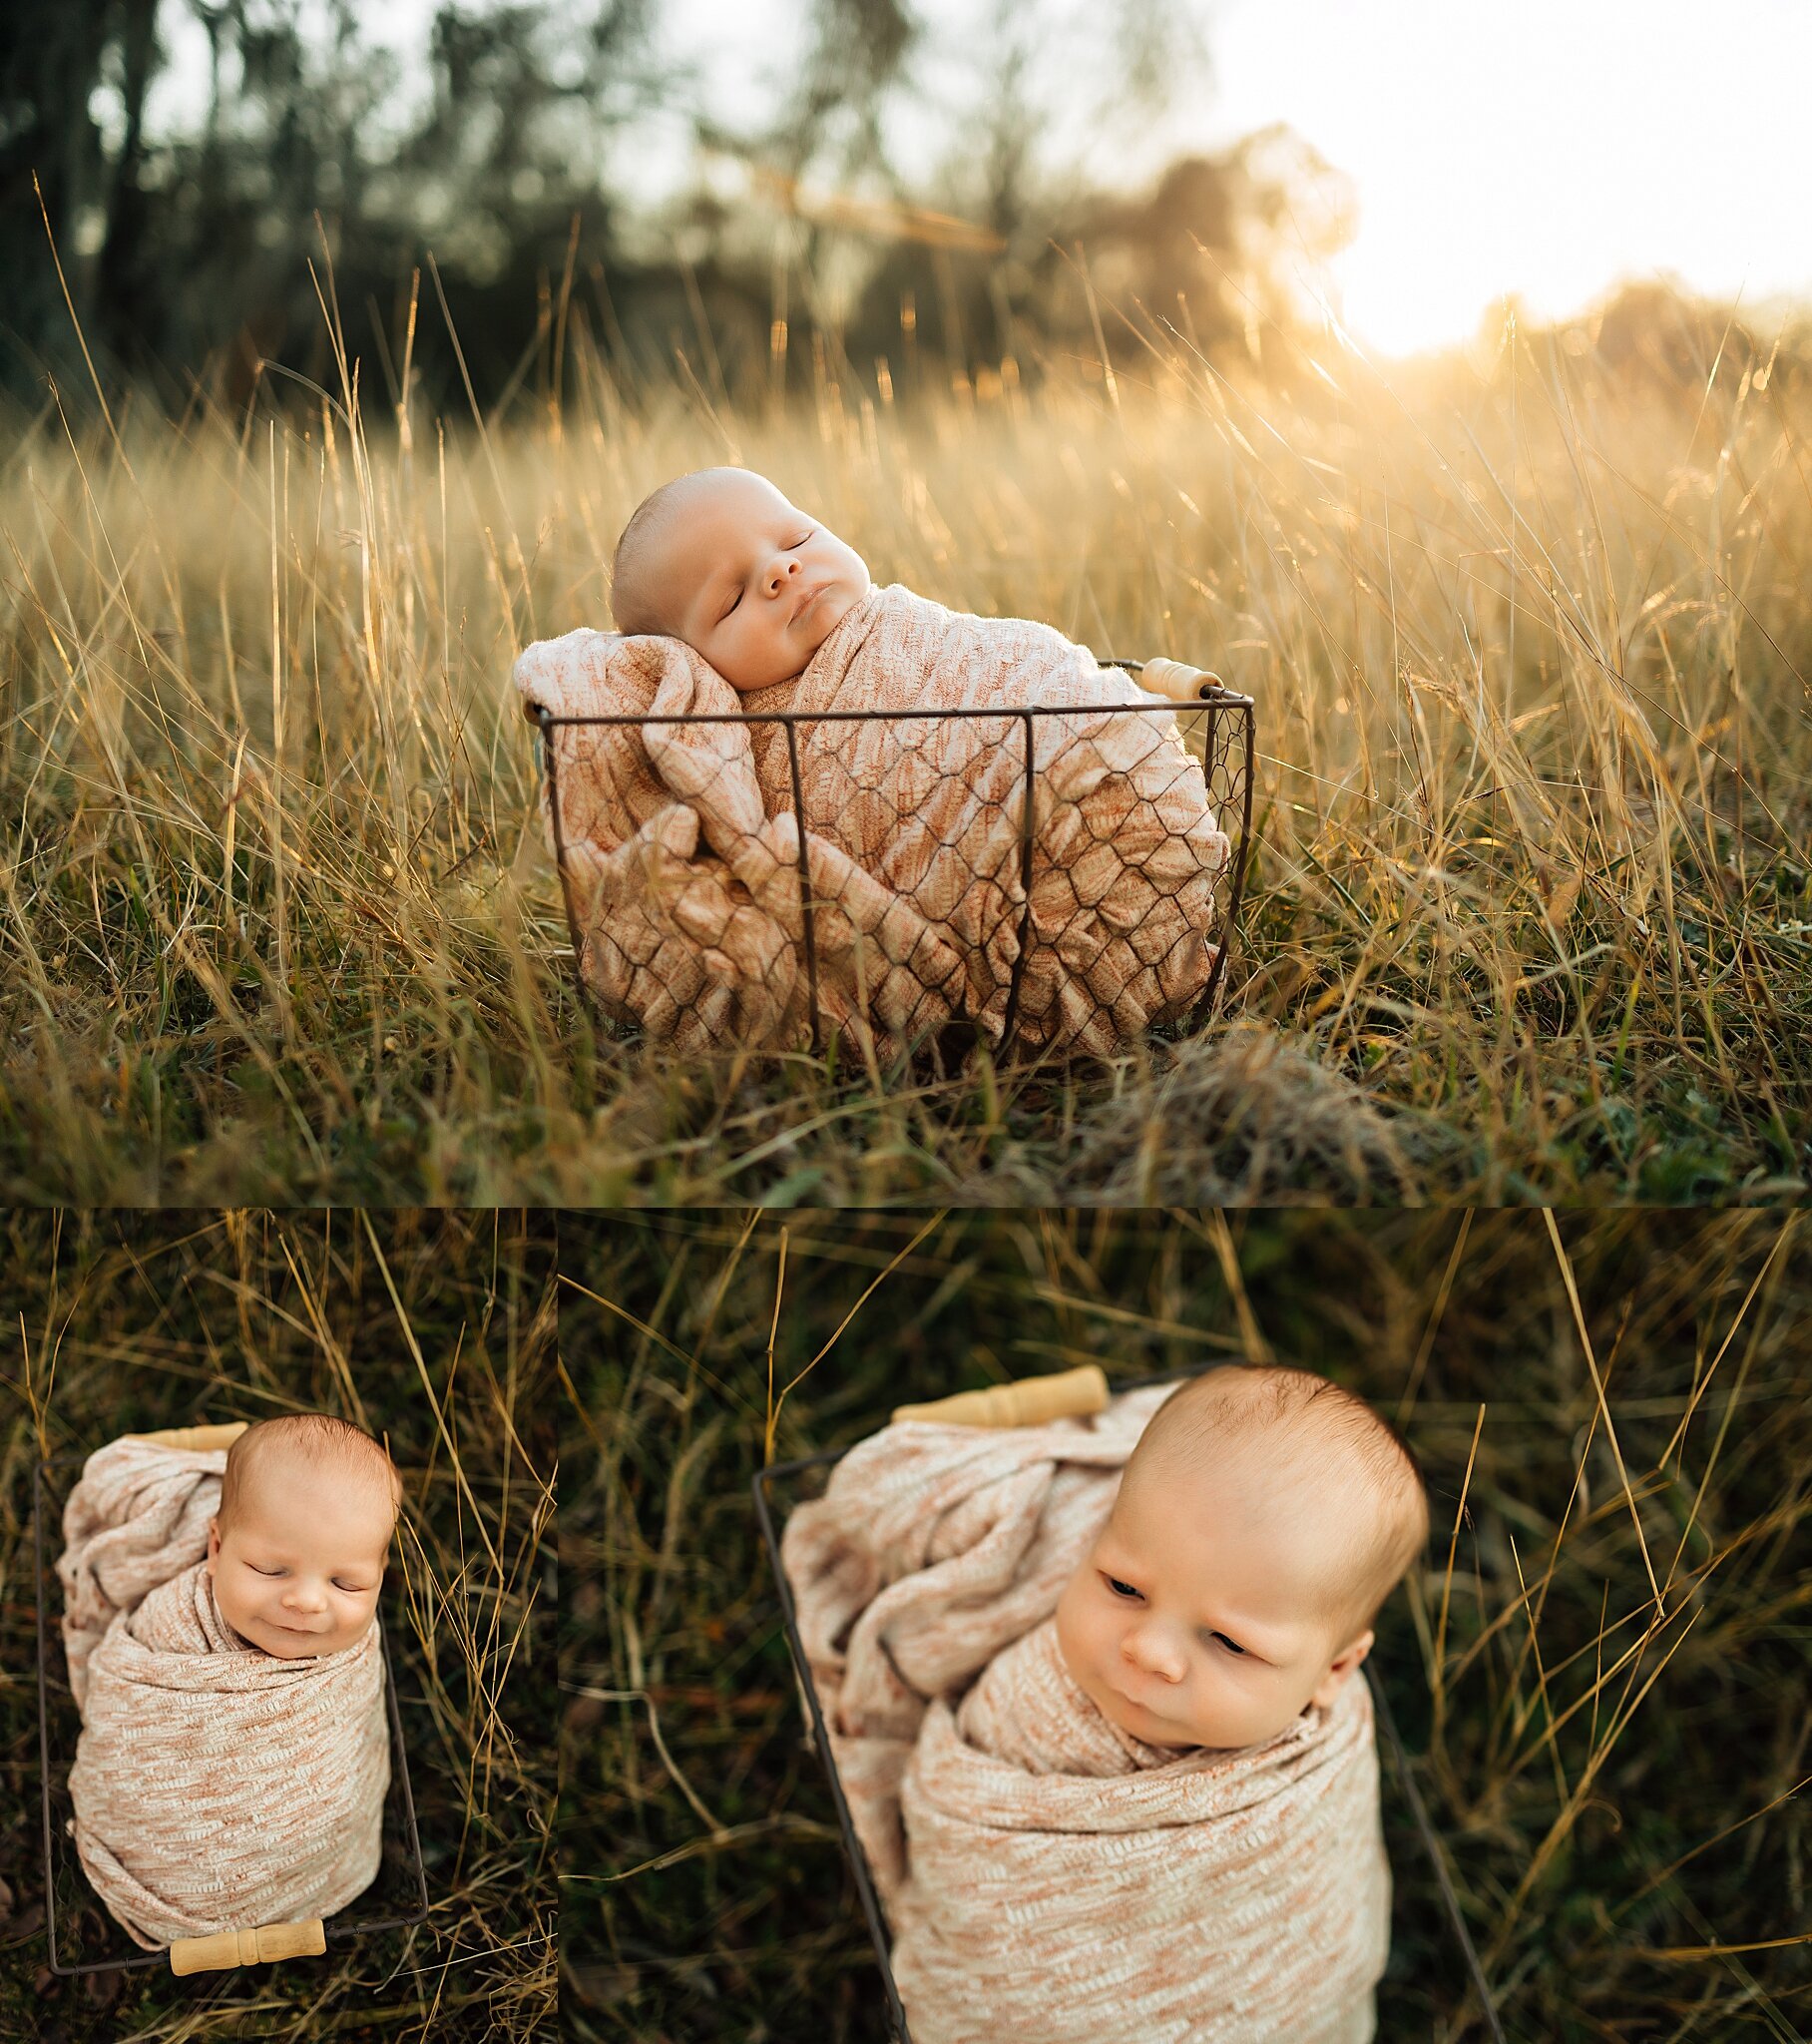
1530 910
1613 1775
436 1331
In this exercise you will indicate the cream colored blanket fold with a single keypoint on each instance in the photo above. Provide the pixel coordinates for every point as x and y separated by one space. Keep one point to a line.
1046 1878
682 845
215 1786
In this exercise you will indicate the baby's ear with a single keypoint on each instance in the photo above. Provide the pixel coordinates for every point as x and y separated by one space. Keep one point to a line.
213 1543
1340 1668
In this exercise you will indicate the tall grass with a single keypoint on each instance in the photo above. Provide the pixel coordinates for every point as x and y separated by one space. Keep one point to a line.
436 1333
1600 1668
1530 912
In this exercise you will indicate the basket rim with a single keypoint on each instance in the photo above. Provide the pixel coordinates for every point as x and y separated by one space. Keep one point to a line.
1218 699
399 1754
773 1473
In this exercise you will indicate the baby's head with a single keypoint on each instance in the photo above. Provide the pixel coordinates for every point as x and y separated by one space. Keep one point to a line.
1262 1519
722 560
297 1548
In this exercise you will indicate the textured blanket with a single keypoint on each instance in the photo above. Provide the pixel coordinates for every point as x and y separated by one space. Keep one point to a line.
216 1786
683 844
1045 1876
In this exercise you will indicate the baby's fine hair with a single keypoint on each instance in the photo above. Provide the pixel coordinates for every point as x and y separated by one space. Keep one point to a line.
1310 1418
318 1439
634 603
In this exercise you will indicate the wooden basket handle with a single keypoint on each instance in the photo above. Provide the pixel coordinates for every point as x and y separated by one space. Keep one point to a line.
257 1947
198 1440
1029 1401
1181 683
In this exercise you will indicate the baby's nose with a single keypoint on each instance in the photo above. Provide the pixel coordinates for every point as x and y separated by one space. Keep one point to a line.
779 570
305 1597
1151 1648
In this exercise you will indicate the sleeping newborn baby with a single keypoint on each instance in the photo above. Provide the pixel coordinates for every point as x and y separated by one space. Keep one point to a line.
1048 875
296 1550
223 1648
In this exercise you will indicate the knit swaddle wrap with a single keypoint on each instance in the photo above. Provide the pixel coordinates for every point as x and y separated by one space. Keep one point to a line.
215 1786
683 846
1047 1877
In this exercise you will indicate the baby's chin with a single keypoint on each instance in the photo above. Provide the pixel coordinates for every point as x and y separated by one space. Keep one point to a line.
1120 1712
281 1649
832 608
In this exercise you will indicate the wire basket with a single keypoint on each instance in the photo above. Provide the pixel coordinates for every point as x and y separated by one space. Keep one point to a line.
1216 728
84 1938
786 1484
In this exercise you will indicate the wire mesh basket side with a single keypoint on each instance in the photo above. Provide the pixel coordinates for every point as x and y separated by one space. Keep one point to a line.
818 1733
83 1937
929 978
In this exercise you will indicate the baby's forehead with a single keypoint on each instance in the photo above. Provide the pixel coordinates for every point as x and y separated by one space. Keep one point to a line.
714 507
287 1474
740 490
1273 1459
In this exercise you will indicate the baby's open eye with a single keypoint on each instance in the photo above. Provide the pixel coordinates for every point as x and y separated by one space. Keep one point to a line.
1118 1588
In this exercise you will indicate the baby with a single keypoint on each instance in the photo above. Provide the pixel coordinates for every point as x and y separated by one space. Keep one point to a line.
1263 1518
296 1550
763 711
723 561
1169 1787
224 1651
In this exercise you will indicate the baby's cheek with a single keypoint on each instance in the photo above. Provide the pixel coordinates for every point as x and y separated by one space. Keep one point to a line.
1072 1641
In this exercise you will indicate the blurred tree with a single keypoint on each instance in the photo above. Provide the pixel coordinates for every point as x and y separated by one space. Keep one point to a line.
55 58
195 244
1199 250
857 58
499 139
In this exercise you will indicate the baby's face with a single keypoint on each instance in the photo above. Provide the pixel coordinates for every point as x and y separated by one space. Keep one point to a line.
752 583
1201 1617
297 1568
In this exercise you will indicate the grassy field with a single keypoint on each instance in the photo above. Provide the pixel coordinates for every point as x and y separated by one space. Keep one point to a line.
1530 912
1600 1670
438 1331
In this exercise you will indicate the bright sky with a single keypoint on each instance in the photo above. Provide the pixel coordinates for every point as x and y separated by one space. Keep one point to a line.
1547 148
1538 147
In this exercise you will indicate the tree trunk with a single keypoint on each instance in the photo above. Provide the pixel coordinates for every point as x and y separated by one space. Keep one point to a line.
127 296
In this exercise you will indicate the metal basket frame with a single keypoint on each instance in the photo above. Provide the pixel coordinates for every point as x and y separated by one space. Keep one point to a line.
338 1932
777 1472
1228 737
